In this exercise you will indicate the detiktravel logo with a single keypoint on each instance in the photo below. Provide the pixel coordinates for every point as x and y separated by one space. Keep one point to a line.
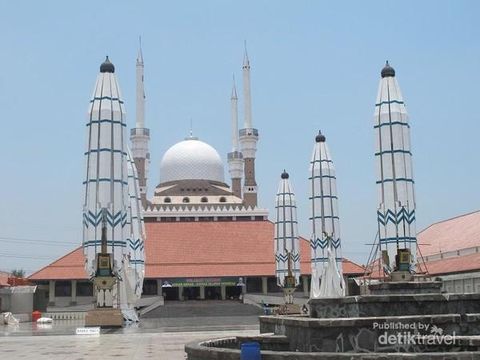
416 333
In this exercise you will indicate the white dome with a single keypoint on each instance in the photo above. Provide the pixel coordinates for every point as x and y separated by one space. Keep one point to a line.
191 159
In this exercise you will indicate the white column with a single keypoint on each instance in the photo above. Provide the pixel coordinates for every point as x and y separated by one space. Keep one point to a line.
345 280
223 292
264 285
140 110
234 114
159 287
180 293
51 292
306 290
202 292
247 99
73 300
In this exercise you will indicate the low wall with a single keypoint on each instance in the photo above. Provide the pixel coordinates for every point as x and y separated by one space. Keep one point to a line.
394 305
227 349
365 334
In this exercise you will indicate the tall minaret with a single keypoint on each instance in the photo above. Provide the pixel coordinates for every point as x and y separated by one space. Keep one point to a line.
248 139
235 158
325 241
395 184
140 135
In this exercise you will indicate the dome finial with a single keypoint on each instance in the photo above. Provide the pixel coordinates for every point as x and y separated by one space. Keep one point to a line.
320 137
285 175
107 66
190 133
387 70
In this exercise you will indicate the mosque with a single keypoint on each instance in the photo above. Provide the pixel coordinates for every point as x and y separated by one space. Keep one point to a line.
205 238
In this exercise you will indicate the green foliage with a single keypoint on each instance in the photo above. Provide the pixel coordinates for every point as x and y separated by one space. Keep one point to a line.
19 273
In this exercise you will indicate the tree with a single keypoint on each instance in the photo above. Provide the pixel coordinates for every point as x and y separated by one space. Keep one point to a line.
19 273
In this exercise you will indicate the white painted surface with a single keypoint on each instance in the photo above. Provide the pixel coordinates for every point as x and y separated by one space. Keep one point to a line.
287 247
191 159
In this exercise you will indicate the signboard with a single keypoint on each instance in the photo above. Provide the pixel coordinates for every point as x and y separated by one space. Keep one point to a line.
208 281
88 331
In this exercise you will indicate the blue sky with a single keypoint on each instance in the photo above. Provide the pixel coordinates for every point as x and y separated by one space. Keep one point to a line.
315 65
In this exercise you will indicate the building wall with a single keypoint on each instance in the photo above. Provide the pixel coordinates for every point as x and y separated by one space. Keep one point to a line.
17 302
461 283
64 301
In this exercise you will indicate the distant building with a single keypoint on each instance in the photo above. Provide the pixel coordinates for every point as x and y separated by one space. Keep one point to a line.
4 276
451 251
190 260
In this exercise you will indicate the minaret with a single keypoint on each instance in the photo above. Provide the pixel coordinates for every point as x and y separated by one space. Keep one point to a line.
235 158
325 240
248 140
140 136
396 211
287 247
106 197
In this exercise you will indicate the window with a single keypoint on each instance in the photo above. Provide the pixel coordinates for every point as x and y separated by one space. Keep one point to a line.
84 288
63 288
223 199
204 199
254 284
167 200
186 200
272 285
150 287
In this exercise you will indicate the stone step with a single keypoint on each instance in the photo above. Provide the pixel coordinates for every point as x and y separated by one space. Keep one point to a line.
203 309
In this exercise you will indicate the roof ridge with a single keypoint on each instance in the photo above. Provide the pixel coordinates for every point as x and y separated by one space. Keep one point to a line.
53 262
449 219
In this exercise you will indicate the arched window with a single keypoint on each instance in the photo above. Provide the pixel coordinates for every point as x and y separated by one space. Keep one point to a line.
186 200
167 200
223 199
204 199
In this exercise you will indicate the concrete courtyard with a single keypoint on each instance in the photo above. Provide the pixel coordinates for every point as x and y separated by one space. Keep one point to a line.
133 345
160 335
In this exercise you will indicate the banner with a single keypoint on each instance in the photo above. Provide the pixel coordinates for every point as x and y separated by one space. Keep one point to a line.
213 281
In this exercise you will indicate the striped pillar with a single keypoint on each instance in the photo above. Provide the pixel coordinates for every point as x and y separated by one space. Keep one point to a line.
324 216
106 183
286 233
136 238
395 184
111 186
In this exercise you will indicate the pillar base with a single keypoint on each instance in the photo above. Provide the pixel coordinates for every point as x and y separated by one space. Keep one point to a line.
104 317
397 276
289 309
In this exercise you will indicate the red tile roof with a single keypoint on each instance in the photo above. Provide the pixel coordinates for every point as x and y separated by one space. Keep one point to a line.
4 278
446 238
70 266
199 249
455 264
457 233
